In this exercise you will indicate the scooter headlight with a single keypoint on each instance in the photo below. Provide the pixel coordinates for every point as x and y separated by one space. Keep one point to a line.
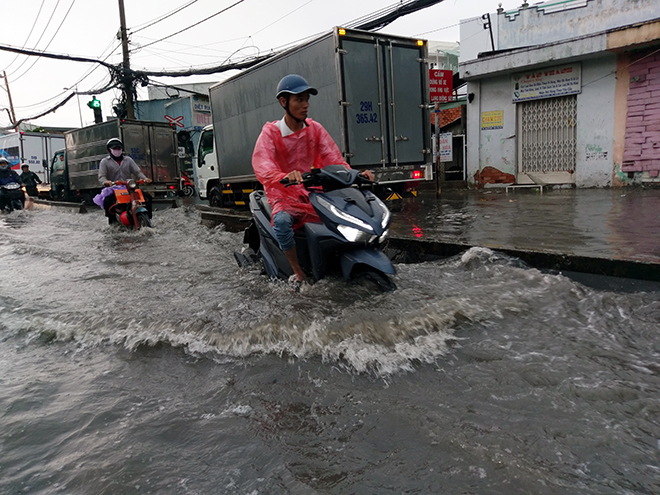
344 216
131 184
385 221
354 235
384 237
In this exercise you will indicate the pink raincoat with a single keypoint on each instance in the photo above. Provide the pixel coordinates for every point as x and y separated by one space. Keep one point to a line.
275 156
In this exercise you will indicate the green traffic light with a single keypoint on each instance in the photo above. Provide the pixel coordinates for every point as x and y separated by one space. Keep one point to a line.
94 103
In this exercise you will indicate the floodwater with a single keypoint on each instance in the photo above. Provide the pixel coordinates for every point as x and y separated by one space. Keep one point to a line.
137 363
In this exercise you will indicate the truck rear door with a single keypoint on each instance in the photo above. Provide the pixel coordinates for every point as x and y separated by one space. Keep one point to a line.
383 100
165 156
153 148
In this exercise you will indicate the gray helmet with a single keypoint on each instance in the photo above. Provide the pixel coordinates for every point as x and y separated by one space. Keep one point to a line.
294 84
114 143
4 163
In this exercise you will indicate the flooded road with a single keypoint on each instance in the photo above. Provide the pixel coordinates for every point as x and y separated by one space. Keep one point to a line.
150 363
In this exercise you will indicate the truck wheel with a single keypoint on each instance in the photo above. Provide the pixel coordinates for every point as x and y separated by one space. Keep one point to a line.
215 197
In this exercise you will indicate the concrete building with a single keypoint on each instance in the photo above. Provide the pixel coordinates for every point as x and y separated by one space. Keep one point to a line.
186 107
563 92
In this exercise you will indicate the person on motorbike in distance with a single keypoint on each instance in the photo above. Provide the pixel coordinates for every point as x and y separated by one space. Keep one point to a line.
286 149
7 176
30 179
116 166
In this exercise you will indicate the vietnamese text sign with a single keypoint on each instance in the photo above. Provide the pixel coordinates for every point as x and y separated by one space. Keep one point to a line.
445 147
547 83
492 120
441 83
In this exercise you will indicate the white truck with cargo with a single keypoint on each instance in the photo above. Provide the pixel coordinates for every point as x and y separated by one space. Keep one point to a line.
372 99
31 148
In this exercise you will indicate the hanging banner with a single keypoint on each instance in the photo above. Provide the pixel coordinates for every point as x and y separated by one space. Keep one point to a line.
547 83
441 83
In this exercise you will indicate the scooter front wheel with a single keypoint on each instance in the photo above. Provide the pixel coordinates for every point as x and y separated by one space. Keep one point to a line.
143 220
375 279
188 191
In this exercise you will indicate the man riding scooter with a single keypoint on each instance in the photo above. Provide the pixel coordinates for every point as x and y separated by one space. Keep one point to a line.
284 150
118 167
8 176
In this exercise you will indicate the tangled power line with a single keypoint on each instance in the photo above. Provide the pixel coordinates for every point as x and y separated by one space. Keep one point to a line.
120 74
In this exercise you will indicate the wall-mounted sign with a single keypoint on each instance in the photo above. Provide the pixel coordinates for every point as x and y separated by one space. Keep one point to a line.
492 120
445 147
201 119
177 121
202 107
547 83
441 83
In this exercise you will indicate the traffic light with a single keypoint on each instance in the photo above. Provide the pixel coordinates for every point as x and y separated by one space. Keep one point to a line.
95 105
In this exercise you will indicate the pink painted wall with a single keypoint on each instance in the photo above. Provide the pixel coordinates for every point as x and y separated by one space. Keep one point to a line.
642 139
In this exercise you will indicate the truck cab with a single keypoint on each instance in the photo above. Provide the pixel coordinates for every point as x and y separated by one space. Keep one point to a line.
59 177
206 170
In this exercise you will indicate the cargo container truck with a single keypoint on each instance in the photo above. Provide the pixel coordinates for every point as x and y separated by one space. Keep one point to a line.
31 148
153 146
373 92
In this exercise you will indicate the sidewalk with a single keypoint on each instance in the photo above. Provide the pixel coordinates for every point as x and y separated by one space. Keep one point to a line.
601 231
614 232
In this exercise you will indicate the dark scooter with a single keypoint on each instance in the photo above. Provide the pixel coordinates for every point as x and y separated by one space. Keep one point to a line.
129 208
348 241
13 195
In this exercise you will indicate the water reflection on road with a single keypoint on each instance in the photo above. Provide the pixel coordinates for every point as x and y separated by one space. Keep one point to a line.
609 223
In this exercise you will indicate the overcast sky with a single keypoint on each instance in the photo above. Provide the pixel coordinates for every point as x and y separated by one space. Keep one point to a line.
88 28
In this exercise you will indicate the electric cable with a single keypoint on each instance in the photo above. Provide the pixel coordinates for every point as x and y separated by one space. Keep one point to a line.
42 35
196 24
176 11
51 40
378 20
29 34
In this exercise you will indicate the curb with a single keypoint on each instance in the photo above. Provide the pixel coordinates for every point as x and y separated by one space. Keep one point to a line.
406 250
416 251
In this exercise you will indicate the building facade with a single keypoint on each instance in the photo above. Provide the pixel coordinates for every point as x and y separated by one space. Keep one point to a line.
569 95
186 107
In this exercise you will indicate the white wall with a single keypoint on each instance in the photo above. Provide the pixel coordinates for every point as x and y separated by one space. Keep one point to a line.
556 20
595 127
552 21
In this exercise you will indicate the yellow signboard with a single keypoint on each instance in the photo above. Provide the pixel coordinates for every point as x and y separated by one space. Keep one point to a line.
492 120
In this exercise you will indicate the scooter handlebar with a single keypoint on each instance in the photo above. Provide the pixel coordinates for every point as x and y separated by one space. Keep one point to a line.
305 176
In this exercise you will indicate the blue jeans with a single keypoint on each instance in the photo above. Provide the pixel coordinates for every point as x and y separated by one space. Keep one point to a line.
283 227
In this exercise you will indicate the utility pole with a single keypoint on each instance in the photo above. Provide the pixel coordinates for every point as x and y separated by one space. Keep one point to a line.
11 103
127 77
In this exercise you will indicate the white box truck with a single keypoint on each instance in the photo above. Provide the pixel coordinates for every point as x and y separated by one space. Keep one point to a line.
373 100
31 148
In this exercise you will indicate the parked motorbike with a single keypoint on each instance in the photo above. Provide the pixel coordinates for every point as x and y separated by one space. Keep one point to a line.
187 186
14 196
130 207
348 241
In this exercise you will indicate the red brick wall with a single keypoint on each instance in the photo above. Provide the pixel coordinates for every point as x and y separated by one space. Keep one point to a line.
642 141
491 175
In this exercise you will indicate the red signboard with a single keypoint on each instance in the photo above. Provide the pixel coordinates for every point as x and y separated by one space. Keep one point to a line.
441 83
